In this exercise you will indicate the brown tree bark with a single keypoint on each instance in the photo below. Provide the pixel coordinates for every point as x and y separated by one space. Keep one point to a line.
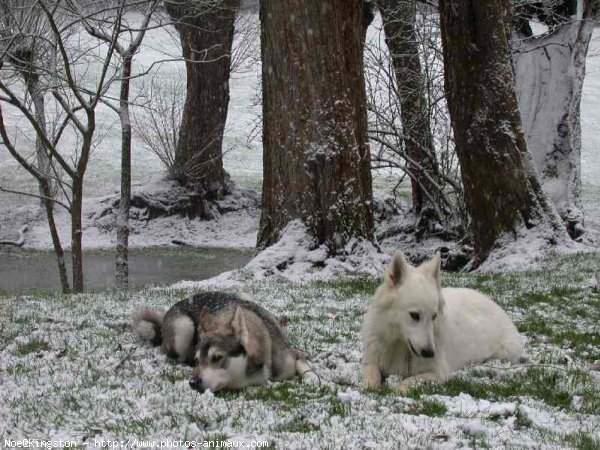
206 31
315 153
122 258
399 20
502 188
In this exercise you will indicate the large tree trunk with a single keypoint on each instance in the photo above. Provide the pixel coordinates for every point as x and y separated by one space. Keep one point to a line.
550 70
399 20
315 153
206 31
502 189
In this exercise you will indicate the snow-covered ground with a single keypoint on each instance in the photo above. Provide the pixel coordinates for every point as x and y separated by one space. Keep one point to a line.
71 369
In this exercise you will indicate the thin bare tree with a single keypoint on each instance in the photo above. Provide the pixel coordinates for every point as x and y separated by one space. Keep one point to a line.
77 97
27 44
126 42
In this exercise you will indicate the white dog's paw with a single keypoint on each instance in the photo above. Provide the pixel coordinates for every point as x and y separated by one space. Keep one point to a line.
371 384
414 382
371 377
403 388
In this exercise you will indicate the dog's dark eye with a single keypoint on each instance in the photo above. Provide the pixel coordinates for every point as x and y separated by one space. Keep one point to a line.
216 358
415 316
434 316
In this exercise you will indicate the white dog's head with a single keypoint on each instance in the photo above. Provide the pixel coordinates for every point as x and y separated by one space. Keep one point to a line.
414 298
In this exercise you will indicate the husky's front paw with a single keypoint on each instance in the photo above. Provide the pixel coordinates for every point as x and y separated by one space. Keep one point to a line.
306 372
311 377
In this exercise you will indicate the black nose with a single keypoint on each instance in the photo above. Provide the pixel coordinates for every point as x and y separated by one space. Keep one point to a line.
427 353
196 384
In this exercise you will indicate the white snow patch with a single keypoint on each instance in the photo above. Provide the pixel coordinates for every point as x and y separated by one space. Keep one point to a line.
527 249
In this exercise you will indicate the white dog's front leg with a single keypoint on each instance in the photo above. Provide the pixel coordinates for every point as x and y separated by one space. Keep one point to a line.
371 376
414 381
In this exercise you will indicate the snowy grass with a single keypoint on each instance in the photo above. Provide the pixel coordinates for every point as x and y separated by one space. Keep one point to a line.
70 368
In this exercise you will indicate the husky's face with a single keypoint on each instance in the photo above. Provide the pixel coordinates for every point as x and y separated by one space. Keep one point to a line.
415 302
228 361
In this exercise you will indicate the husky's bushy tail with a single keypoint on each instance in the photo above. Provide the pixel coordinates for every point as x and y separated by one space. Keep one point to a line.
147 323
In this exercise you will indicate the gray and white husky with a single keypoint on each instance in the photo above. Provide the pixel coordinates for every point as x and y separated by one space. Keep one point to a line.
233 341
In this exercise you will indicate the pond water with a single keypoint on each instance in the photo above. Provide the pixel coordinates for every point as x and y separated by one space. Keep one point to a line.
24 271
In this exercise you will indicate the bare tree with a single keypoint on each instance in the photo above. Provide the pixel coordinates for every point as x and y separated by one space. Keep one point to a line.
316 157
27 44
206 30
126 43
77 97
399 22
408 116
503 192
550 69
158 121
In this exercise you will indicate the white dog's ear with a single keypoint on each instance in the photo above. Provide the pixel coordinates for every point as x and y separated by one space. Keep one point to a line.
442 304
397 269
240 329
433 267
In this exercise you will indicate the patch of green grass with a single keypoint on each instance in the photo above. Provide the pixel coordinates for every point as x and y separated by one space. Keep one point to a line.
337 407
554 387
296 425
428 407
583 441
347 288
32 346
522 420
536 326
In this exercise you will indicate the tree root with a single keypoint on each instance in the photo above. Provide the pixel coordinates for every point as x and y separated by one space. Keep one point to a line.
19 242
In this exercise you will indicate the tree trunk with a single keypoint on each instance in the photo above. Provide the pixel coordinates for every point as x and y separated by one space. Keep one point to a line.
399 20
58 250
315 152
121 262
550 70
502 189
44 163
77 234
206 32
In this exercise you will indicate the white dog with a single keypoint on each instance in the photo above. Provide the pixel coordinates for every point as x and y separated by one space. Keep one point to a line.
419 331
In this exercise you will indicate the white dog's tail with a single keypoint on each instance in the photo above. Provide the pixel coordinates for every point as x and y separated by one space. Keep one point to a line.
147 323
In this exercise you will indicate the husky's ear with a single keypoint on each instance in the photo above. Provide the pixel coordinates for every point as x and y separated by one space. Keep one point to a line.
240 329
397 269
432 267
